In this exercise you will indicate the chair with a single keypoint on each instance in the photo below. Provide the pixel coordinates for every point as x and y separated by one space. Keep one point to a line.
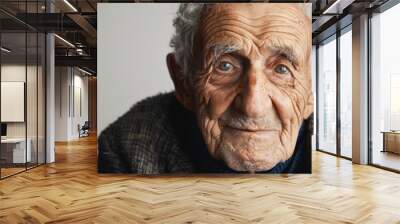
84 130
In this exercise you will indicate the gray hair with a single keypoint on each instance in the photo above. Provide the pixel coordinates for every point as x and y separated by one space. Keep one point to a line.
186 24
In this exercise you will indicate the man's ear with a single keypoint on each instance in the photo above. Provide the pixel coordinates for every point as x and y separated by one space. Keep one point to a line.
182 91
309 107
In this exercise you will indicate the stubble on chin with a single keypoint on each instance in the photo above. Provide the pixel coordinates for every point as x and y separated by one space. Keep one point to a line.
251 152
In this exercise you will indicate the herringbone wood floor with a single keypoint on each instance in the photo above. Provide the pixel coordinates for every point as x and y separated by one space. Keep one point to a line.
71 191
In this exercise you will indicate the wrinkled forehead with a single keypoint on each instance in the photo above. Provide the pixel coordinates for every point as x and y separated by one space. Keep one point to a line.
266 25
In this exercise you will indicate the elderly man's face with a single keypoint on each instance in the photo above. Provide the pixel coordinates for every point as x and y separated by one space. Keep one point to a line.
253 88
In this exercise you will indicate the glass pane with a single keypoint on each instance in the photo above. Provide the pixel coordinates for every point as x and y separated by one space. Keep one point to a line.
346 94
41 98
327 96
13 86
31 100
314 89
31 85
386 89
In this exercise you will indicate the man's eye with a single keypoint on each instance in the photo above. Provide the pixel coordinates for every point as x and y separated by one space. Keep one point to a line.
225 66
282 69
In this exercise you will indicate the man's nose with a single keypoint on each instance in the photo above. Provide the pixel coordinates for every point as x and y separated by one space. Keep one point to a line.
254 99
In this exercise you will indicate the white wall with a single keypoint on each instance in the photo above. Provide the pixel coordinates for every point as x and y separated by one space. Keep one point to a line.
67 80
80 82
132 42
61 103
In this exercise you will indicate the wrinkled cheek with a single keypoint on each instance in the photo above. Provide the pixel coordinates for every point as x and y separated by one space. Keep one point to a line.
210 130
284 103
220 100
208 125
214 102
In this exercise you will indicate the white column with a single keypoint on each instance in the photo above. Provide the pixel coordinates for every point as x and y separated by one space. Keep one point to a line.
360 90
50 100
50 92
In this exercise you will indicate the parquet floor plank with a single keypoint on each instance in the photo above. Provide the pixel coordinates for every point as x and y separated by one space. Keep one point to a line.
71 191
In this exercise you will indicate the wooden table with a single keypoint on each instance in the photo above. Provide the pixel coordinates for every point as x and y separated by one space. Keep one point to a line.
391 141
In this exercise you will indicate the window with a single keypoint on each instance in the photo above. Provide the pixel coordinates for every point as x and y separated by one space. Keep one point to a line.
385 89
22 77
346 93
327 96
314 89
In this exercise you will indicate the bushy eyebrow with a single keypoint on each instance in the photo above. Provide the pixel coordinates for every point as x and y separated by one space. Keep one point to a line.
281 50
284 51
221 49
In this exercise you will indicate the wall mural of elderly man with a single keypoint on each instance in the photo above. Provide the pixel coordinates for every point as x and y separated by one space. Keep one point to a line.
242 77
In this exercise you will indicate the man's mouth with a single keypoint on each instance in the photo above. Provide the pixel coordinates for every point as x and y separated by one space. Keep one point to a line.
252 130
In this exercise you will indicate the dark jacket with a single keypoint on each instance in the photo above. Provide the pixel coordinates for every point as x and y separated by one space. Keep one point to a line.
158 135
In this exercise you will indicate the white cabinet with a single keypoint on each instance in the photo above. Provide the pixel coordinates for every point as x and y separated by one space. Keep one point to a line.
19 155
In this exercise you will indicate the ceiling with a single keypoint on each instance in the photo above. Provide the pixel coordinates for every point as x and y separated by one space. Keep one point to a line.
76 22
